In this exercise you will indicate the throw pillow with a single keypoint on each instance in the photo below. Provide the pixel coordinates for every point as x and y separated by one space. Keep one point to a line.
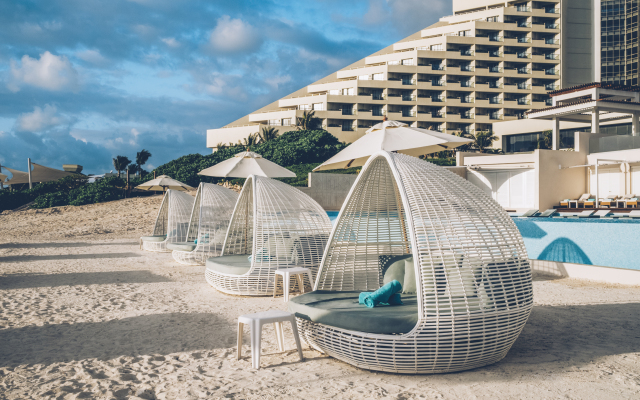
395 272
409 286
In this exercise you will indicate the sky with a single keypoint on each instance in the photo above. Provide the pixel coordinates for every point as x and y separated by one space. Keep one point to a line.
82 81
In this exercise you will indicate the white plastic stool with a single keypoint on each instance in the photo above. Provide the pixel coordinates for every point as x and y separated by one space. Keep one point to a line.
256 321
286 274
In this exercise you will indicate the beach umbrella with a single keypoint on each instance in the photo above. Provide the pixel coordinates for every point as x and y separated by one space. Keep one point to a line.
392 136
245 164
164 182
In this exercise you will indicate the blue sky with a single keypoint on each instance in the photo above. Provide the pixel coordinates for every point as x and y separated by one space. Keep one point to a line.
82 81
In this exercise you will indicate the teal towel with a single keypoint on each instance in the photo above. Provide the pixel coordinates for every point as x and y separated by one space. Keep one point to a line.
388 294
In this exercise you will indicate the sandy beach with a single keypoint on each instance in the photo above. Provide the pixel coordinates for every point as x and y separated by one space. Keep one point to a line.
87 314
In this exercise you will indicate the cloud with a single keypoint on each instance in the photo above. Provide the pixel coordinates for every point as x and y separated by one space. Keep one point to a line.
50 72
39 120
234 36
93 57
406 16
171 42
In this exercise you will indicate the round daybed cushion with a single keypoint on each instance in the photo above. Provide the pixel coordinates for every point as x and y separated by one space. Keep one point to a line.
154 238
182 246
341 310
232 265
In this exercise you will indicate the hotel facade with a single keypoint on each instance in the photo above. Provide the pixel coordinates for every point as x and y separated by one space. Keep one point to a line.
489 62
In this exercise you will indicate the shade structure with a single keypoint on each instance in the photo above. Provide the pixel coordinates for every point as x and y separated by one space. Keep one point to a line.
164 182
245 164
467 261
210 216
3 177
279 227
392 136
40 173
172 222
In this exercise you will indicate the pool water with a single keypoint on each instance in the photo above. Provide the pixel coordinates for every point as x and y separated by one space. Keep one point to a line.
589 241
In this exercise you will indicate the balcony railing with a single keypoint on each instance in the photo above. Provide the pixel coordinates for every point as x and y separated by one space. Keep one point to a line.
376 96
523 102
467 52
467 68
438 114
523 9
551 10
410 97
494 38
550 86
467 116
524 86
495 116
495 69
409 81
467 100
523 70
437 99
495 53
550 26
495 85
441 67
495 100
551 71
524 55
438 83
551 41
523 24
466 84
551 56
523 40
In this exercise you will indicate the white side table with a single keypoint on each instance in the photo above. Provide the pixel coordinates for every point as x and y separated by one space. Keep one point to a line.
255 321
286 274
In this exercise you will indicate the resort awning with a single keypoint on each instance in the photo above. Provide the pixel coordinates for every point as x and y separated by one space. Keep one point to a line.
40 173
164 182
245 164
392 136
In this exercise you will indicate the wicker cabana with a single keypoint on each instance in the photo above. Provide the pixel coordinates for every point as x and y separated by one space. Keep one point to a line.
279 227
172 223
210 218
460 251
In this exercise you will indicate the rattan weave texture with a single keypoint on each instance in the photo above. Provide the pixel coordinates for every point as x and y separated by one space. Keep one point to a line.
472 271
280 227
172 220
209 223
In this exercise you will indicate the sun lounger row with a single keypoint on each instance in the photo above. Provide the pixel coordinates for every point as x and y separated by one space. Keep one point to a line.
611 201
584 214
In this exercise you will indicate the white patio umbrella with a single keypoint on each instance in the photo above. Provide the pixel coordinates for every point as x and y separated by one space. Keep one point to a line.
164 182
247 163
392 136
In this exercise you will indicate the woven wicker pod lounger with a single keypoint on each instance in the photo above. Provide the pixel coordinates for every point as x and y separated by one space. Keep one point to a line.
210 218
462 252
280 227
172 222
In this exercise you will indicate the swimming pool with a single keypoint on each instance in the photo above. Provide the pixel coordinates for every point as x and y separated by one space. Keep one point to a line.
602 242
589 241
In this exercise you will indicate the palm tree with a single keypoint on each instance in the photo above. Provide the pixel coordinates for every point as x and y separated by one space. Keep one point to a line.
308 121
268 134
464 147
251 140
221 146
141 159
120 163
133 168
482 140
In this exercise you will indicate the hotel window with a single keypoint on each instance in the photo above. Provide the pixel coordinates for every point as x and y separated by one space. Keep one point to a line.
304 107
347 125
286 122
408 61
334 92
464 33
274 122
348 92
394 62
437 47
363 77
378 77
493 19
376 110
318 106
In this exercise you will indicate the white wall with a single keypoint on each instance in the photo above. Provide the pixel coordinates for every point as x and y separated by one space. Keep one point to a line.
510 188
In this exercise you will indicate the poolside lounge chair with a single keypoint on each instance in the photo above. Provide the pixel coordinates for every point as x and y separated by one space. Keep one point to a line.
631 203
210 218
472 291
602 213
609 201
548 213
581 201
585 214
172 222
634 214
529 213
274 226
622 201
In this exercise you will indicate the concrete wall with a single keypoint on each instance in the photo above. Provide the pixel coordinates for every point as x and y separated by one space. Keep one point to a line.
329 190
577 43
554 184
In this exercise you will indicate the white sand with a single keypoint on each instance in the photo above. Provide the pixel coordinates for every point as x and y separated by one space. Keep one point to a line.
86 314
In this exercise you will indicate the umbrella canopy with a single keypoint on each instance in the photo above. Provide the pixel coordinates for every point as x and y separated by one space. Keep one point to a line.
245 164
164 182
392 136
